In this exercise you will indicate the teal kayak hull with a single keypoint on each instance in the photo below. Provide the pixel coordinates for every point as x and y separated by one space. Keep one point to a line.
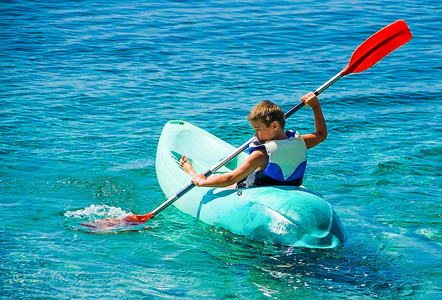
293 216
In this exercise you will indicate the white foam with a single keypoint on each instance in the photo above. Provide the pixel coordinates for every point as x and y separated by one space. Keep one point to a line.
99 211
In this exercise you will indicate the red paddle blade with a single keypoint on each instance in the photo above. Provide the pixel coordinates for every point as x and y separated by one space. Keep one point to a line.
378 46
139 219
109 224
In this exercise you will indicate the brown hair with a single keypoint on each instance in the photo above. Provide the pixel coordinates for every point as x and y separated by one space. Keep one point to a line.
267 112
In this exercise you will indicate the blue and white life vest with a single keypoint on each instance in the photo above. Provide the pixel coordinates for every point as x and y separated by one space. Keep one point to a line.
287 160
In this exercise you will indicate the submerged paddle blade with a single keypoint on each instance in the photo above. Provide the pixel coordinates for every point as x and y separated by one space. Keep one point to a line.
109 224
378 46
139 219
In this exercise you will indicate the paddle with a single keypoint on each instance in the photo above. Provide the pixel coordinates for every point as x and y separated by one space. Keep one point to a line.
366 55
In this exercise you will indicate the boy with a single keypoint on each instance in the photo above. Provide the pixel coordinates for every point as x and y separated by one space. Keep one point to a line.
278 157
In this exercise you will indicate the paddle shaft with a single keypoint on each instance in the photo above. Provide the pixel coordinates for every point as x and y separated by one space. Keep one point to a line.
243 147
318 91
365 56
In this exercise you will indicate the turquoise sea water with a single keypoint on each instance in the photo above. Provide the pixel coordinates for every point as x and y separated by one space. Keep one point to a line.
86 86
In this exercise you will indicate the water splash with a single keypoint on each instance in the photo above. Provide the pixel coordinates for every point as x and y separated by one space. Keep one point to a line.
96 212
101 219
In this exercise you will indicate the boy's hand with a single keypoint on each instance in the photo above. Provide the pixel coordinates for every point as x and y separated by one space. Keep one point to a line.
310 100
198 179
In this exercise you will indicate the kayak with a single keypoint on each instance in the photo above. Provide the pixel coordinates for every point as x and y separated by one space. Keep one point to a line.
286 215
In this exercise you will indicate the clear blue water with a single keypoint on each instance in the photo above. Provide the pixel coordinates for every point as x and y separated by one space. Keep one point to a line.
86 86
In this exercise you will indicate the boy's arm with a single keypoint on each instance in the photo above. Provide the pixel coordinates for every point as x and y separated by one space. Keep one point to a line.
320 134
257 159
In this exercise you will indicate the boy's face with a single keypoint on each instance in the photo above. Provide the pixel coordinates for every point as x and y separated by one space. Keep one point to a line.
262 132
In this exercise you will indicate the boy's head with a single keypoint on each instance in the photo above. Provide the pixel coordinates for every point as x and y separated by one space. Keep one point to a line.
267 112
